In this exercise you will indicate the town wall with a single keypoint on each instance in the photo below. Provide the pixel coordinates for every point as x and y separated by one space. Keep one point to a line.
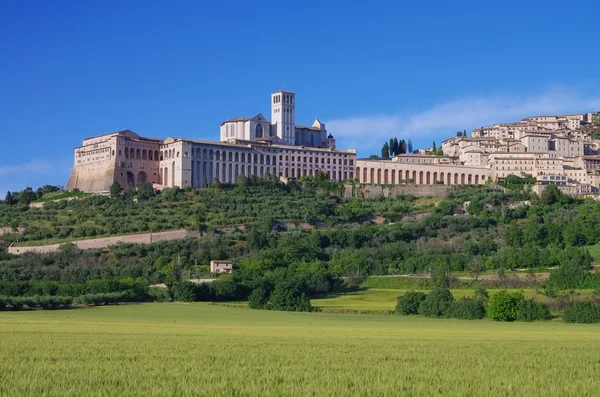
146 238
370 192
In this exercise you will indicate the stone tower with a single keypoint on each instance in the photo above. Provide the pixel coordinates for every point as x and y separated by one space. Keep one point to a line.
283 116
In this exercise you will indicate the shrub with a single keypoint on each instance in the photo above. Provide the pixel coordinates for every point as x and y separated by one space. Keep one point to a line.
530 310
289 297
204 292
105 298
259 298
35 302
409 302
436 303
503 306
224 289
583 313
467 309
183 292
158 295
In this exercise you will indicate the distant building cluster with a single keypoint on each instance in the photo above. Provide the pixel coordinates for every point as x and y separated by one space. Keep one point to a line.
553 149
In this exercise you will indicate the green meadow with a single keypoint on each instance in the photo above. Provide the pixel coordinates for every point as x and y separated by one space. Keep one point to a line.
176 349
384 300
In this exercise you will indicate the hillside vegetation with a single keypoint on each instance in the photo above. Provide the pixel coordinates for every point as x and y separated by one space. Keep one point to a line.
280 268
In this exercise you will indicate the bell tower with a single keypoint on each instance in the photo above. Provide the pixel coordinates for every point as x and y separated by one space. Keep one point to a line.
283 116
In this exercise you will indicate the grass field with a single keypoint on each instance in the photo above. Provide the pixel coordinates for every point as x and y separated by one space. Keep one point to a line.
373 299
209 350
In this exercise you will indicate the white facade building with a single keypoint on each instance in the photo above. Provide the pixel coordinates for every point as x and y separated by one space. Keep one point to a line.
282 128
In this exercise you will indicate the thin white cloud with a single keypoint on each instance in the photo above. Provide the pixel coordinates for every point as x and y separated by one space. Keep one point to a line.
34 173
442 120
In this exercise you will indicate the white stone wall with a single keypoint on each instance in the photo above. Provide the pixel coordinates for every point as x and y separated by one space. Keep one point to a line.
393 173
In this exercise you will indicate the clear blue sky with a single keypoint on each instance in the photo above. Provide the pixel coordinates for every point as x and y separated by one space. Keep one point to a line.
369 70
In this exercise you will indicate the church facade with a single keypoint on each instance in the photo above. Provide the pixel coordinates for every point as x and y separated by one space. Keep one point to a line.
248 146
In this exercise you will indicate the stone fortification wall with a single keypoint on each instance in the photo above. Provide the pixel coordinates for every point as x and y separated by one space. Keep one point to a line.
96 179
379 191
105 242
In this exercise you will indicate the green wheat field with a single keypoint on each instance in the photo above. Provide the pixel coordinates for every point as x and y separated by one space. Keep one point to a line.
171 349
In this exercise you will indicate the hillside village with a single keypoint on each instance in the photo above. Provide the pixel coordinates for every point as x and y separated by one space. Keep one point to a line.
553 149
557 149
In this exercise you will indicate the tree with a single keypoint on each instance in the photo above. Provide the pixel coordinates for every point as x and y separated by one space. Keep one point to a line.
410 146
550 195
144 190
396 149
436 303
115 190
10 199
321 176
288 296
241 180
459 133
27 196
402 148
503 305
259 298
385 151
434 147
583 313
409 302
391 147
530 310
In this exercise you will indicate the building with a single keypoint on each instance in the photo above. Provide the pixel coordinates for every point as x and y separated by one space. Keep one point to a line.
252 146
221 267
553 149
549 148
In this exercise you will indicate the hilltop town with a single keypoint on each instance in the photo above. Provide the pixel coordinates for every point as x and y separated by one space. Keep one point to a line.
553 149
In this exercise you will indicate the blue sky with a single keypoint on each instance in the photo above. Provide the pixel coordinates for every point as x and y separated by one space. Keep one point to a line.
369 70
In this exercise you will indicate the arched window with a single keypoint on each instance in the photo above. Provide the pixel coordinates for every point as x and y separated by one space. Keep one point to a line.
258 131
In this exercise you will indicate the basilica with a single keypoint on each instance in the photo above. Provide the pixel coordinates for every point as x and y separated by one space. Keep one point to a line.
247 146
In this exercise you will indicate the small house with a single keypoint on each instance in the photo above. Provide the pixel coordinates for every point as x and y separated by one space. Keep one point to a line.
221 267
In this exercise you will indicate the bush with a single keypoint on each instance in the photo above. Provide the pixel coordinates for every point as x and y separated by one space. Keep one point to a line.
409 302
106 298
583 313
35 302
467 309
436 303
224 289
289 297
530 310
259 298
158 295
183 292
503 306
